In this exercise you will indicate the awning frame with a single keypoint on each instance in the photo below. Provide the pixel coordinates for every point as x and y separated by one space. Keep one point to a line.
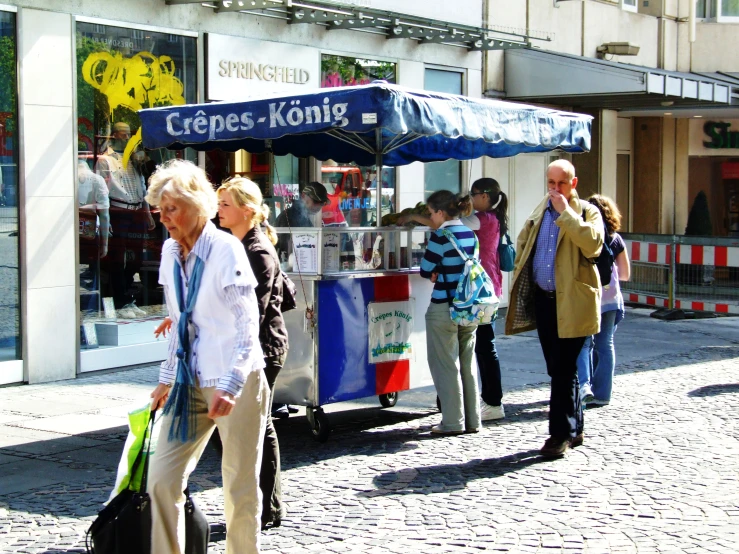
335 16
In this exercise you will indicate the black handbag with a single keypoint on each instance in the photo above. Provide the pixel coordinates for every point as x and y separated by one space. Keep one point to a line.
124 525
197 528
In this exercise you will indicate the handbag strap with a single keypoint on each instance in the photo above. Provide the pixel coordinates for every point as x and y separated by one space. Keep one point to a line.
140 456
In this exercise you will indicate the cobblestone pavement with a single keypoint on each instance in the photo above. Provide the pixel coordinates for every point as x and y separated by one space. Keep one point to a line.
657 473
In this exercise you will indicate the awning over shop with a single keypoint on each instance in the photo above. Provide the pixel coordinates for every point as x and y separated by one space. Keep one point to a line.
562 79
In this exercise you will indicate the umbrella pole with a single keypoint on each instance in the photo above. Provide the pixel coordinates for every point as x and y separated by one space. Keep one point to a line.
378 175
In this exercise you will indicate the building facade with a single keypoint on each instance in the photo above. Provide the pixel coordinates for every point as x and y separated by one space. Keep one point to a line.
80 248
661 81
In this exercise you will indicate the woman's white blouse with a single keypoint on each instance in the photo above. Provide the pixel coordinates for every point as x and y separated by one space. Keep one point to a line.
224 327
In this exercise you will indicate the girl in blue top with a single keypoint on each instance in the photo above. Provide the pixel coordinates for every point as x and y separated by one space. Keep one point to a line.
445 340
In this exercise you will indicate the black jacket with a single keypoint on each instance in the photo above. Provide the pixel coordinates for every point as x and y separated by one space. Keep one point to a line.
266 268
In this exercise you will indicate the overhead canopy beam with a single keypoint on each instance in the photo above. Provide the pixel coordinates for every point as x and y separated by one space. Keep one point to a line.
536 76
336 16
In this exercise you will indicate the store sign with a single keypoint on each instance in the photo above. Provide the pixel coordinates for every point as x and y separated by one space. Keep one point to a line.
714 137
390 328
719 135
241 68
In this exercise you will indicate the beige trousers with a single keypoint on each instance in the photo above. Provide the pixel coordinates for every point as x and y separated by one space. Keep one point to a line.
242 434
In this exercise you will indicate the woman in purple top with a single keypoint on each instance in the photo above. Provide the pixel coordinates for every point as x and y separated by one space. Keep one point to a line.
489 221
596 388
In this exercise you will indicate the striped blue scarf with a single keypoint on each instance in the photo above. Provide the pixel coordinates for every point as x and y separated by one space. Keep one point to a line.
182 396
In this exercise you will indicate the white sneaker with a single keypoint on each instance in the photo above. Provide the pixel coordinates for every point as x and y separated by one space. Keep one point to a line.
586 394
490 413
126 313
135 309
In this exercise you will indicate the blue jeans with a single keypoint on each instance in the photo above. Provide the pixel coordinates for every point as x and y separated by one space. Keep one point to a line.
585 363
597 359
604 357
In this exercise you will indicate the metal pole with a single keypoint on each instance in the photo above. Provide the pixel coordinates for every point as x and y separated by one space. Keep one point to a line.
671 276
378 167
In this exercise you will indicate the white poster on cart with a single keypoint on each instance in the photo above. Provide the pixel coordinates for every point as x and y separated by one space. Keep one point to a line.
390 328
305 252
331 254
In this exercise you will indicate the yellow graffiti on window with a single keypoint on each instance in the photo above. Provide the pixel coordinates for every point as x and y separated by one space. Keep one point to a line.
141 81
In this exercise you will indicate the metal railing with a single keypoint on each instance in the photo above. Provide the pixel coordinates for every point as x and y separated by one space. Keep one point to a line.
674 271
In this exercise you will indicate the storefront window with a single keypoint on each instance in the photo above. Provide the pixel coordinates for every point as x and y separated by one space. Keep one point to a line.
120 71
10 344
730 8
446 175
352 190
629 5
727 10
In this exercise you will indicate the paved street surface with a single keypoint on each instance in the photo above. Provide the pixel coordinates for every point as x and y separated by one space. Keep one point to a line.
658 471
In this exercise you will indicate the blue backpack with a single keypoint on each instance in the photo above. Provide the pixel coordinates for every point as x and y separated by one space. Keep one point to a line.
474 302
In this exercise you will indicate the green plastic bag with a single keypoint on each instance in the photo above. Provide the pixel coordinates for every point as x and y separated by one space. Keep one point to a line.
138 423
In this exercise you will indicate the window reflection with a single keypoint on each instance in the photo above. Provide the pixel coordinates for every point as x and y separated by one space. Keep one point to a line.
120 71
10 344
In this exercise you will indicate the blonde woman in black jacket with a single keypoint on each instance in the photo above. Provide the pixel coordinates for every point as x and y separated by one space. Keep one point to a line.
241 211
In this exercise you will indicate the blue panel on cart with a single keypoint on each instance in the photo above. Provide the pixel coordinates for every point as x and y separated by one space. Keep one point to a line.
343 371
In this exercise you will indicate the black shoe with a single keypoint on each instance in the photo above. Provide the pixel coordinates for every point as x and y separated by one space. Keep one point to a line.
555 448
276 520
292 409
271 524
281 412
577 441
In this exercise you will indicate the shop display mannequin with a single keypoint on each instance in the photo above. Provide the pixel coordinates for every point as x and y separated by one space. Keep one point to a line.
130 220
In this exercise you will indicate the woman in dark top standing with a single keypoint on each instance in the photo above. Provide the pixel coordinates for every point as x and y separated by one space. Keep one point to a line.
241 211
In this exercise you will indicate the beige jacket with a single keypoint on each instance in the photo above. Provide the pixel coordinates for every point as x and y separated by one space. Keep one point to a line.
577 280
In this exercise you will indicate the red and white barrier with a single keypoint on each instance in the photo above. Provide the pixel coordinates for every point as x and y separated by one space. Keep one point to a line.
692 254
660 302
695 254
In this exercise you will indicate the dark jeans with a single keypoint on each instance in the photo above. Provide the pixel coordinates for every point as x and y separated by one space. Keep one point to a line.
565 408
491 389
269 477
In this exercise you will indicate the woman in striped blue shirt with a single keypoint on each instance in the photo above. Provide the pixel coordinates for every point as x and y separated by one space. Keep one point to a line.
445 340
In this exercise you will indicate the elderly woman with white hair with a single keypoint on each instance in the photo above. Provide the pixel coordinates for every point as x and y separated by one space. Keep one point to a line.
213 374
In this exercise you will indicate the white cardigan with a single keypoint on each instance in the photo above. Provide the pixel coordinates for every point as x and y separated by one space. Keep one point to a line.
224 328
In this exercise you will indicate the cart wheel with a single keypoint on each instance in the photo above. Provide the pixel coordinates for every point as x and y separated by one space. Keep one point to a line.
389 400
438 403
319 424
